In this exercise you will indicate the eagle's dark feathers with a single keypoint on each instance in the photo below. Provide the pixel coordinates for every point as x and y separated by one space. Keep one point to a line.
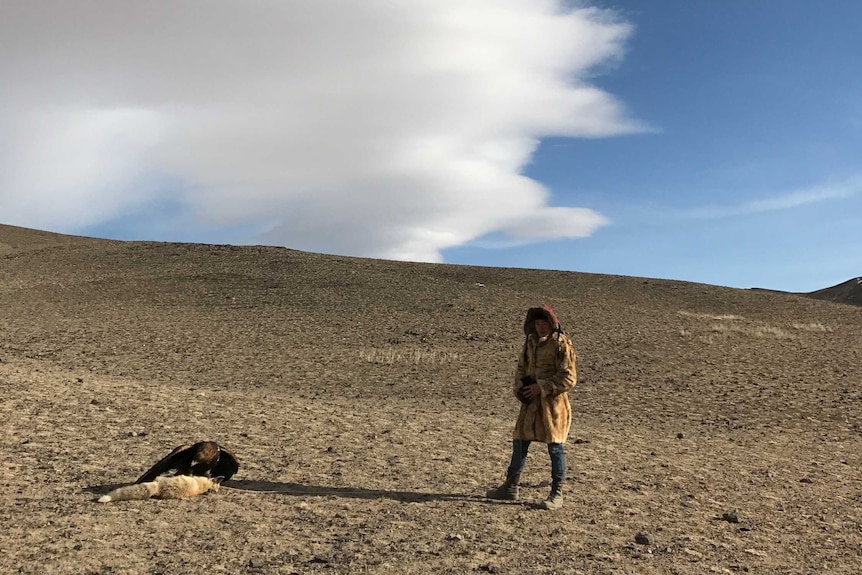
206 458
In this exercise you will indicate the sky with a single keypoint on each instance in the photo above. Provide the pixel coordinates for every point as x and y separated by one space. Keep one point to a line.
713 142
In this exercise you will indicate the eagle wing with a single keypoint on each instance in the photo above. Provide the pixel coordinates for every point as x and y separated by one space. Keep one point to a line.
203 458
176 459
226 465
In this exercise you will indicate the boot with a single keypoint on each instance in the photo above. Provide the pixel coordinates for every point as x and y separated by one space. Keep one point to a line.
508 491
555 499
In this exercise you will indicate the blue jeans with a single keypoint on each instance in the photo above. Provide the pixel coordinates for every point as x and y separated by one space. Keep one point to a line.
519 459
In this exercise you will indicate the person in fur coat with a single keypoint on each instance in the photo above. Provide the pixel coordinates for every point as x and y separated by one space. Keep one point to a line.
547 371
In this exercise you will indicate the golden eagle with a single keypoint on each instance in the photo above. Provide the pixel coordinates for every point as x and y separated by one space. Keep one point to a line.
206 458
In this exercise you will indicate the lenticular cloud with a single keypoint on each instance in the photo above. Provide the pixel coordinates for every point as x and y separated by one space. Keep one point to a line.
370 128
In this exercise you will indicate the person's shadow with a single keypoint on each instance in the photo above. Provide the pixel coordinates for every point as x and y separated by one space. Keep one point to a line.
297 489
351 492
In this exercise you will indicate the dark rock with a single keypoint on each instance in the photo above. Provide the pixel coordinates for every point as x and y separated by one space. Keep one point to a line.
642 539
730 517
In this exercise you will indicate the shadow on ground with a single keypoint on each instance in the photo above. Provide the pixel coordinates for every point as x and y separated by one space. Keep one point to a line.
350 492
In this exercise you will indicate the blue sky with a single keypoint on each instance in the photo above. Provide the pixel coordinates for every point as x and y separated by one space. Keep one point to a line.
751 102
716 142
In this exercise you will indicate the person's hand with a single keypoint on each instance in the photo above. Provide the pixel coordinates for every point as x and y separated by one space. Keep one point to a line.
531 391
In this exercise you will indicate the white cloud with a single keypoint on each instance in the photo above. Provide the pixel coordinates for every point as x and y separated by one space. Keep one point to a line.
550 223
67 168
375 128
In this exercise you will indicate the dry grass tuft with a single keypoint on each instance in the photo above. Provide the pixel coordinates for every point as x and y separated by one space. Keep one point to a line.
739 325
815 327
414 357
752 330
720 317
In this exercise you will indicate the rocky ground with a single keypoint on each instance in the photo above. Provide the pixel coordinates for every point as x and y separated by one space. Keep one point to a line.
716 430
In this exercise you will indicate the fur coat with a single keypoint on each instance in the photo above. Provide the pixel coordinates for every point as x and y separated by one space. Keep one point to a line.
554 365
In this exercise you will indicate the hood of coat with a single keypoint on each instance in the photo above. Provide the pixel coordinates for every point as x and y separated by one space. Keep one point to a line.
545 312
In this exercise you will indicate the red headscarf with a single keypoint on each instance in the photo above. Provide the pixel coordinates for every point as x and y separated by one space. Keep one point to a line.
545 312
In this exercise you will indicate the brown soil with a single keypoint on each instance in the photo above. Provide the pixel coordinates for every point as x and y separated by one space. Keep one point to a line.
367 402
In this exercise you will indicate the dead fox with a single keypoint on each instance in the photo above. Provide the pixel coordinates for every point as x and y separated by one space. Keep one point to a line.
175 487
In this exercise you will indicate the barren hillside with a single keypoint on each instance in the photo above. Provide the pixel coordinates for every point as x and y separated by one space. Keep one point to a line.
849 292
367 402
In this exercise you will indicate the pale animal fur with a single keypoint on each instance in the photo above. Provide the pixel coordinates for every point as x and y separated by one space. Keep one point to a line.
176 487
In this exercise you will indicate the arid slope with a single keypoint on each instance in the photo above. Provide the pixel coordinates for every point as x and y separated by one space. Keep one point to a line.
367 402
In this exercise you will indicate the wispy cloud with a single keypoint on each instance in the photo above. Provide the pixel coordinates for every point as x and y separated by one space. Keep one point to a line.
790 200
367 128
